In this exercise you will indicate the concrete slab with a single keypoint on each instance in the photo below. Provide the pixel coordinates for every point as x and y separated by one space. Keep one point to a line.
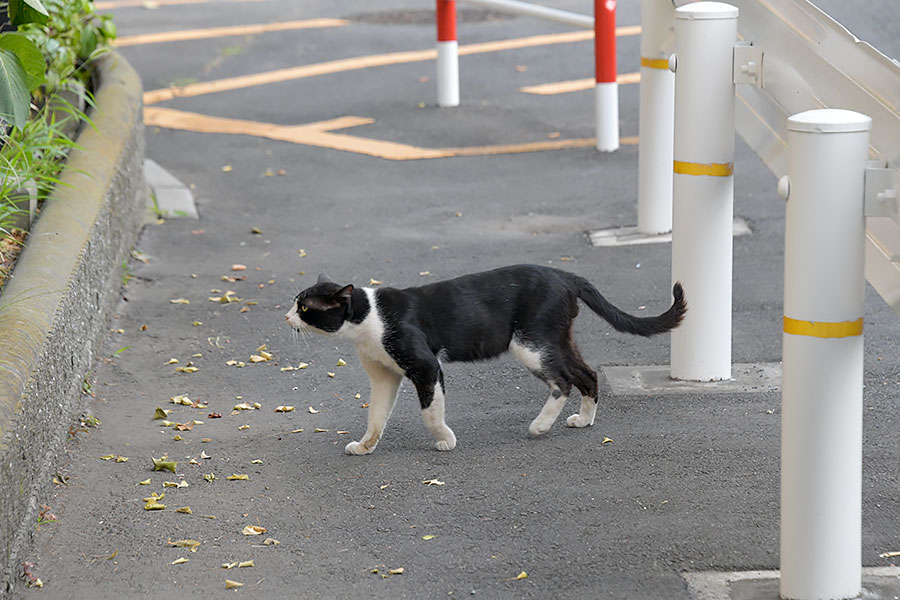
644 380
879 583
173 198
630 236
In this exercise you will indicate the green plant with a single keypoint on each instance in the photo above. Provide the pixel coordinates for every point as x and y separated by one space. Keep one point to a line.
45 70
71 36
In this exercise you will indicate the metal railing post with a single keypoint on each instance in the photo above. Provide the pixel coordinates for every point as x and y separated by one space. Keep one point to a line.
447 54
703 188
606 91
655 119
822 410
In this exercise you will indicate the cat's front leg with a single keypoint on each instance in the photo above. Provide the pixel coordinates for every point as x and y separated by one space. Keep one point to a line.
384 387
429 383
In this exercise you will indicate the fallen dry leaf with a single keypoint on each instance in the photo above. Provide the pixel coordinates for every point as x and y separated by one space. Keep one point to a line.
164 464
180 561
374 282
154 505
186 369
191 545
210 477
433 482
238 267
522 575
230 585
144 482
160 414
214 415
172 361
607 440
185 510
184 426
175 484
397 571
284 409
341 362
253 530
889 554
179 301
229 565
181 399
320 430
243 427
312 410
246 563
238 477
270 542
256 461
428 537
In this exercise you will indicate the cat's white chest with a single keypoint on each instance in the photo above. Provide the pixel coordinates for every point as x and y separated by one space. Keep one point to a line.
368 336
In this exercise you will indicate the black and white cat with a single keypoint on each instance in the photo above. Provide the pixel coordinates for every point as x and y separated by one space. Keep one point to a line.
525 309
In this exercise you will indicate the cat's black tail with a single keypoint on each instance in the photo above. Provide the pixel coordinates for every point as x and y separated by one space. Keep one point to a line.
622 321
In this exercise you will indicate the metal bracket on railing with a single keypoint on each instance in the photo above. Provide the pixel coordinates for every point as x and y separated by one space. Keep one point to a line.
882 192
747 64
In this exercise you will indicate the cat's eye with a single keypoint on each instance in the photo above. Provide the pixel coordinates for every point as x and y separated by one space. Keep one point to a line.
303 308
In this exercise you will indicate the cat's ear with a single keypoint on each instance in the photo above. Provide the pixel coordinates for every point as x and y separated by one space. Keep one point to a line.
323 278
345 292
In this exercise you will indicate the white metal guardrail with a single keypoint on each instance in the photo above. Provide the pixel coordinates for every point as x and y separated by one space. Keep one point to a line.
806 60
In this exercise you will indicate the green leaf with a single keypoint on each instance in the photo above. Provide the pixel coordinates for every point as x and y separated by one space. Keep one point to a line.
88 42
15 100
29 55
27 11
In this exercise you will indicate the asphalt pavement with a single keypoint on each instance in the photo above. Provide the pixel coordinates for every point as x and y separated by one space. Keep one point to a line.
661 485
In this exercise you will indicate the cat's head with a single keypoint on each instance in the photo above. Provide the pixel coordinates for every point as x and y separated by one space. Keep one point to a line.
322 308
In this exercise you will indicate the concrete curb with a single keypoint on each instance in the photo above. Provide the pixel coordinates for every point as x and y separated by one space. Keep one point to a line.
56 306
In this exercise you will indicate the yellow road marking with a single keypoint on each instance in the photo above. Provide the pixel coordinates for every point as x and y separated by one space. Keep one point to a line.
321 134
113 4
822 329
215 32
708 169
576 85
362 62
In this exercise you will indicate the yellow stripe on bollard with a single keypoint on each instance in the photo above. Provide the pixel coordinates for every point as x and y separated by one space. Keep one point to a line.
823 329
655 63
710 169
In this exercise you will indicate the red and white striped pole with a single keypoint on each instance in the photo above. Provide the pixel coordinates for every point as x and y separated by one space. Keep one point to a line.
447 54
606 93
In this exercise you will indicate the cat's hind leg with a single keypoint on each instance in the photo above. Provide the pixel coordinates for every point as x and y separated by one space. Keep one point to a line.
385 384
552 407
586 382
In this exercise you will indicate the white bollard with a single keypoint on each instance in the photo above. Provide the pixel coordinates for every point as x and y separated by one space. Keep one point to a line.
703 188
656 119
606 92
447 54
822 411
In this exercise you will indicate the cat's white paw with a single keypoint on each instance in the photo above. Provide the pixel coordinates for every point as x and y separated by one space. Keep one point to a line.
357 449
448 443
539 426
577 420
445 445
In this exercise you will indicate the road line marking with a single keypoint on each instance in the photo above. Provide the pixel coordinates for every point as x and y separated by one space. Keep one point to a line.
360 62
321 134
113 4
576 85
216 32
